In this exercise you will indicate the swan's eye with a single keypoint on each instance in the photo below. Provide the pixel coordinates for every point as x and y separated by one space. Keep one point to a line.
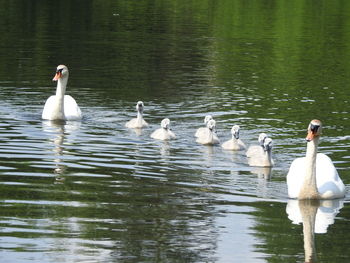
59 70
314 127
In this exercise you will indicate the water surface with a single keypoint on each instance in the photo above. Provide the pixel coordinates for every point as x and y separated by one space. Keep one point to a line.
95 191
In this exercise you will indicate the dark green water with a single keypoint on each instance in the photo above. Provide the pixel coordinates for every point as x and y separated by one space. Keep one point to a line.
95 191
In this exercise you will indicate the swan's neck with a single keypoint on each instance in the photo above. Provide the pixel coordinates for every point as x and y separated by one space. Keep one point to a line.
309 187
210 135
58 107
139 117
268 155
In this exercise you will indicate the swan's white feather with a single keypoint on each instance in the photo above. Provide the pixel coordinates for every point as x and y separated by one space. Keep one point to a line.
234 145
136 123
163 134
329 184
71 109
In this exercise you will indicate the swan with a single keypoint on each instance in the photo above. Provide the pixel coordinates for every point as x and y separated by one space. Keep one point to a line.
137 122
257 149
209 138
235 143
203 130
314 176
262 158
163 133
61 106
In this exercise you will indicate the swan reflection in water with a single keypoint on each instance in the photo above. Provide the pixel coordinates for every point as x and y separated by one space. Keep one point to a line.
58 131
316 216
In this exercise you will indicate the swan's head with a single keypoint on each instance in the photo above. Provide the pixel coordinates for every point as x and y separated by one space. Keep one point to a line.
267 144
262 138
314 130
211 125
61 72
207 118
235 132
165 123
139 106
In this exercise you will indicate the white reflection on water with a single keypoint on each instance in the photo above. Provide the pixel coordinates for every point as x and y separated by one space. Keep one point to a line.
316 216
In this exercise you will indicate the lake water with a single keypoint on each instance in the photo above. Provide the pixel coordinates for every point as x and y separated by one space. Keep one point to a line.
95 191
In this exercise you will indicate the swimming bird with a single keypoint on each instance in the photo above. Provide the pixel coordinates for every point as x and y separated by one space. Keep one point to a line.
137 122
264 158
61 106
203 130
209 138
314 176
235 143
163 133
257 149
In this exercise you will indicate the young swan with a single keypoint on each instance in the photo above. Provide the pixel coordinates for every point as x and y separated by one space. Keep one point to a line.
137 122
210 137
202 131
60 106
262 159
235 144
314 176
164 133
257 149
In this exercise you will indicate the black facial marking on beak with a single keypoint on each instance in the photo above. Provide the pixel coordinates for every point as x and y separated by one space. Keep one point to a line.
314 127
59 70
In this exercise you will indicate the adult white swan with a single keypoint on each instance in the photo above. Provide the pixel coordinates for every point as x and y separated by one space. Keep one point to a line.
164 133
137 122
314 176
235 144
202 131
210 137
61 106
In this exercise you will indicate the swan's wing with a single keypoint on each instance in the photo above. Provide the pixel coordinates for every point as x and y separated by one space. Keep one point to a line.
254 150
201 132
71 109
134 123
295 177
158 134
329 183
241 144
229 145
46 115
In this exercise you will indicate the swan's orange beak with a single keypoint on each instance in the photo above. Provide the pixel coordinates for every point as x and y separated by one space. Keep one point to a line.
57 76
310 136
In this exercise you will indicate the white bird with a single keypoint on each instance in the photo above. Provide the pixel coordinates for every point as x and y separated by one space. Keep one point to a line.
314 176
257 149
163 133
235 143
209 138
137 122
262 158
203 130
61 106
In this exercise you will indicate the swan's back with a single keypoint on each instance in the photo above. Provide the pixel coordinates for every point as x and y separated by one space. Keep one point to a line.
136 123
329 184
234 145
201 132
71 109
163 134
